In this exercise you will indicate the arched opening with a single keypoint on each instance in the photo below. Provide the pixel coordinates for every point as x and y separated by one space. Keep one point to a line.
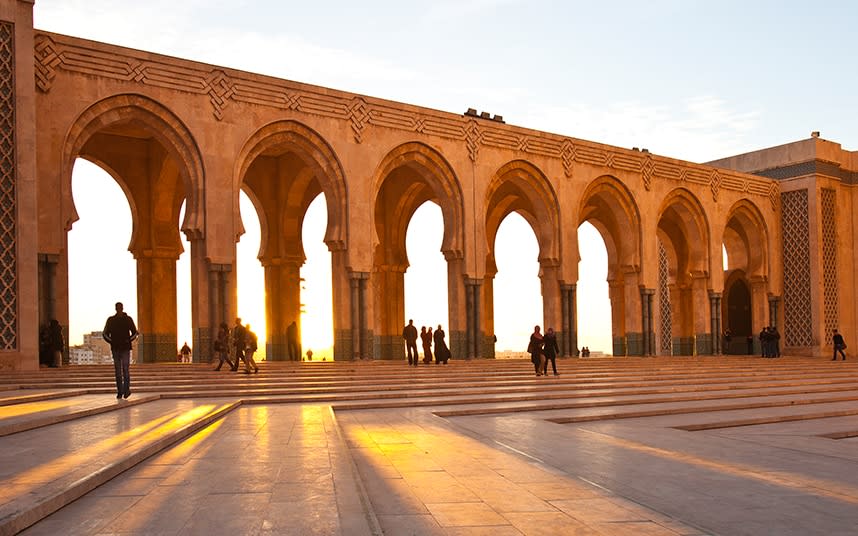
521 201
426 276
517 293
738 318
745 302
316 297
608 211
250 280
683 281
284 167
101 270
594 302
406 179
154 159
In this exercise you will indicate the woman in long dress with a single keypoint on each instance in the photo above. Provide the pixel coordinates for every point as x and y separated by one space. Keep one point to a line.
442 353
426 337
534 348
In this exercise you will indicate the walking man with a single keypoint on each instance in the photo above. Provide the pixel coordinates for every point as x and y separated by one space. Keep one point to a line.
120 331
839 345
409 333
239 343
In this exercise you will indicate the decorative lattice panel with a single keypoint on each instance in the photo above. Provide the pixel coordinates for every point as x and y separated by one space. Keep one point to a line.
8 207
666 327
798 329
829 261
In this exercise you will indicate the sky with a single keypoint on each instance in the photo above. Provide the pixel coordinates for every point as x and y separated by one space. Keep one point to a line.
687 79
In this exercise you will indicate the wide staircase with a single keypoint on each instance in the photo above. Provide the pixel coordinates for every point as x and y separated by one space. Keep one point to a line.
64 433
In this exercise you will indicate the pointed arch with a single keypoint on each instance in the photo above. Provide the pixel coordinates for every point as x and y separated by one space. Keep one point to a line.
138 116
609 206
317 155
436 181
519 186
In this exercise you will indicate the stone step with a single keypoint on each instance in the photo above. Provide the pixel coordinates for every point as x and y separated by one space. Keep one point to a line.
55 475
37 415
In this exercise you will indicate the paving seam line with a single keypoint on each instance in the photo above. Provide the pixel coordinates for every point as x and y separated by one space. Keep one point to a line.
369 511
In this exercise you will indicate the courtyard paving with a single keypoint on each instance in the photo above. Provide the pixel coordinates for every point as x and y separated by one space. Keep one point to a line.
682 446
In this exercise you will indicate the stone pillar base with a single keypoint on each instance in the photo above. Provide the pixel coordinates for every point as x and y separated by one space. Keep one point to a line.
156 348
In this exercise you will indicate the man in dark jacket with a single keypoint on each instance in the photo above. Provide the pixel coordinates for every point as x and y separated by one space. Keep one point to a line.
409 333
120 332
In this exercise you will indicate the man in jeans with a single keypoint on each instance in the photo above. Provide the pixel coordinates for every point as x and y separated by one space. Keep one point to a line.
120 332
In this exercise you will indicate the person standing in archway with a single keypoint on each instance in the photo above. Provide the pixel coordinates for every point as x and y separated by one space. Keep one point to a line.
426 339
239 343
120 332
534 348
409 333
292 342
185 352
550 350
56 342
442 353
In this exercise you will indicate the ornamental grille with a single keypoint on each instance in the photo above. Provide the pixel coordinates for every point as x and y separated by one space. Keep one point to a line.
829 261
666 324
8 212
798 330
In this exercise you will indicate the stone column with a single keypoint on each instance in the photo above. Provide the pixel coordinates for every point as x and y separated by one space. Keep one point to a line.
360 337
456 305
218 290
774 302
202 329
341 303
156 305
618 315
633 321
282 303
759 305
715 322
389 300
473 306
569 325
647 331
700 312
48 264
552 316
488 317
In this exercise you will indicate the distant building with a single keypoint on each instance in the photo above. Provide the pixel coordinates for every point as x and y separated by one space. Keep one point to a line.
94 351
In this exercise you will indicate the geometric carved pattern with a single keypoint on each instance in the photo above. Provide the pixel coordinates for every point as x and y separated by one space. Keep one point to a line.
55 53
8 202
666 327
798 330
829 262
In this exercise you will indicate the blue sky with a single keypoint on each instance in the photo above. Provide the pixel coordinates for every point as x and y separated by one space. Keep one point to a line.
688 79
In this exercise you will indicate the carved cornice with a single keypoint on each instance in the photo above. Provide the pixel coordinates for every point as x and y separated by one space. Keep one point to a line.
54 53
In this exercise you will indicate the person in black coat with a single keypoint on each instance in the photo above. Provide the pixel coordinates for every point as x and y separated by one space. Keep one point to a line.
120 332
550 351
839 345
442 353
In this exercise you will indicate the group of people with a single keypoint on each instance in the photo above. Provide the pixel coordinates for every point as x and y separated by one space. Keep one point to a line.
427 338
542 349
770 342
243 342
585 351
